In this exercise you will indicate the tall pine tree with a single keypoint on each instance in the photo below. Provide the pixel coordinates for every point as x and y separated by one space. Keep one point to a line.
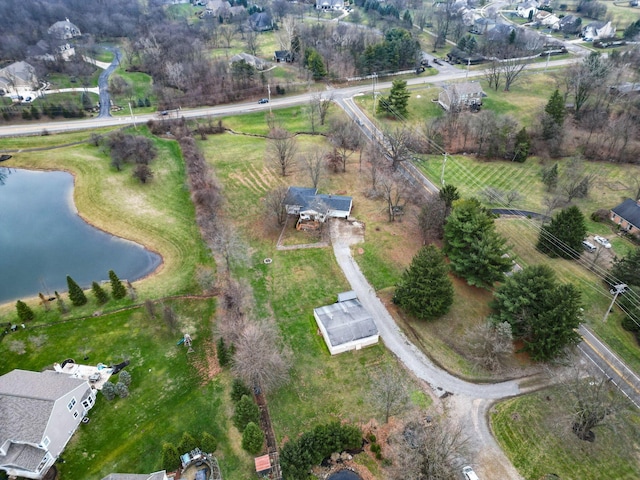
25 314
99 293
117 288
564 235
397 101
76 295
425 289
476 250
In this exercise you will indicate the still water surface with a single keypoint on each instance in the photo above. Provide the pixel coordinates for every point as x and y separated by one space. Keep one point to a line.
42 239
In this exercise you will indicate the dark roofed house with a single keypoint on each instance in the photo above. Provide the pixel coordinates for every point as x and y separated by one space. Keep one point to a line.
459 95
261 22
571 25
283 56
627 216
64 30
39 412
252 60
308 204
346 325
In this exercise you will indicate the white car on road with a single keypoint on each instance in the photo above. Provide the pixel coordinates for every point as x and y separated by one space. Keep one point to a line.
602 241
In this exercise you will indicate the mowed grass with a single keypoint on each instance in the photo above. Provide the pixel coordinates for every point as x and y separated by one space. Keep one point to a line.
158 215
322 388
535 432
171 390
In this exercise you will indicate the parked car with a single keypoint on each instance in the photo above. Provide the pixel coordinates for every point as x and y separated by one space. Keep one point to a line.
263 100
469 474
602 241
588 246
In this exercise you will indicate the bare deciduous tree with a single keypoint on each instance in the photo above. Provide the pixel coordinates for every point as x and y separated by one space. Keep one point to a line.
574 181
281 150
376 168
491 344
511 69
422 450
345 138
314 164
431 218
229 244
260 358
274 204
390 394
493 75
397 193
397 141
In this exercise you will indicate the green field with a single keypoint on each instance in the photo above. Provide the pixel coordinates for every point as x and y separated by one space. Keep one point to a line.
535 432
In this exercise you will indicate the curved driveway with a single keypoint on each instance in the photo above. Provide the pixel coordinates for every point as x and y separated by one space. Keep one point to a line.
103 84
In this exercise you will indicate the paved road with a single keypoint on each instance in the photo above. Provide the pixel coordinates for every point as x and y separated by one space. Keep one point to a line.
103 84
237 109
609 363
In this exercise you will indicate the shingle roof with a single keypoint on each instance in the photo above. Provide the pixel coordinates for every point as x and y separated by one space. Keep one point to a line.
308 198
47 385
630 211
23 456
136 476
466 88
346 321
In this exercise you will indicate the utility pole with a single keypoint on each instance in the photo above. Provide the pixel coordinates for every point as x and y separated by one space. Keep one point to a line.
547 64
269 95
615 291
468 65
133 119
374 77
444 163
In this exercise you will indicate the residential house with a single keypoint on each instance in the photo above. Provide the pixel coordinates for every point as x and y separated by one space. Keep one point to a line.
570 25
598 30
482 25
50 51
283 56
627 216
17 77
162 475
346 325
329 4
222 9
255 62
308 204
39 412
625 88
64 30
460 95
527 9
547 19
261 22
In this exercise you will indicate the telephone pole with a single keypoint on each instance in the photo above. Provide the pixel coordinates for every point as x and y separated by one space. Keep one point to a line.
615 291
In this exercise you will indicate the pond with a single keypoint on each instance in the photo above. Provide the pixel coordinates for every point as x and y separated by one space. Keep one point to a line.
344 475
42 239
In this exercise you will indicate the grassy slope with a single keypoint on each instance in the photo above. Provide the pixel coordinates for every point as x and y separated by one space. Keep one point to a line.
531 429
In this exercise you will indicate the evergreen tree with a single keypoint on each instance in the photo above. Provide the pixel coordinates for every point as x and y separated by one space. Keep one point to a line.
564 235
61 305
476 251
540 310
208 443
170 457
99 293
449 194
222 352
25 314
555 108
406 19
124 377
397 101
252 438
425 289
187 443
627 269
238 390
109 390
315 63
76 295
121 390
522 147
117 288
246 411
550 177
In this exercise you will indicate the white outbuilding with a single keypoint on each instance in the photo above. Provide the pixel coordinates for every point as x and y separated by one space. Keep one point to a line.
346 325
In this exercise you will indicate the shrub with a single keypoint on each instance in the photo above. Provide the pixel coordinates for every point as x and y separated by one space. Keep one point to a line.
246 412
121 390
208 443
222 352
252 438
187 443
109 391
170 457
372 438
125 378
600 215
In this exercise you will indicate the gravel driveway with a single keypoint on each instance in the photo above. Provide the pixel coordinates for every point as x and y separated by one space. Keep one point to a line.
466 402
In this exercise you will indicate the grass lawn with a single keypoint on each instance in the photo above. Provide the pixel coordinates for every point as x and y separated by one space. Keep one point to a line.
535 432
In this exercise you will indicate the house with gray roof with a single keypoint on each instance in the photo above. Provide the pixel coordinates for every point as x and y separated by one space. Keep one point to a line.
255 62
64 30
346 325
308 204
39 413
329 4
627 216
598 30
260 22
459 95
16 77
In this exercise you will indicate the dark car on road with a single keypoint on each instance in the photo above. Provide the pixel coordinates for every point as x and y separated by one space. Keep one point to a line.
263 100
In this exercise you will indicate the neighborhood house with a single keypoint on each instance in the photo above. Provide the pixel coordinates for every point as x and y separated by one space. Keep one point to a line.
459 95
39 412
627 216
308 204
17 77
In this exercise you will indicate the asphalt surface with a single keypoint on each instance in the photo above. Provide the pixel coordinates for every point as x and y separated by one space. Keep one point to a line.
103 84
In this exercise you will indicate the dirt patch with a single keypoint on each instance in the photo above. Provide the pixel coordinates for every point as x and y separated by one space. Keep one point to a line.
207 366
346 232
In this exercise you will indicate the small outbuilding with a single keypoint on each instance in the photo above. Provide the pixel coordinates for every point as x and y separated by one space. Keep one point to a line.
346 325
